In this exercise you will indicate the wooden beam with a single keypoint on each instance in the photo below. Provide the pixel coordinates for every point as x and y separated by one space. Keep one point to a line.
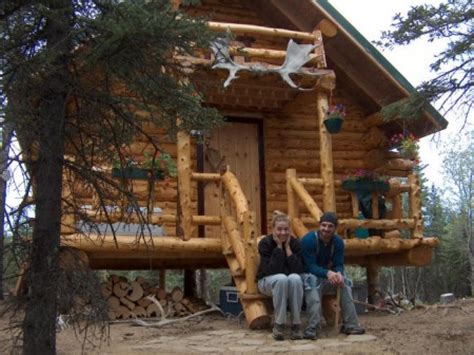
407 223
250 243
308 201
265 53
327 28
235 191
260 30
208 177
184 184
235 239
415 205
373 120
148 246
325 153
293 210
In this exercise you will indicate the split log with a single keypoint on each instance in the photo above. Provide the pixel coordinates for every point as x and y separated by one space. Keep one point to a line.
113 302
152 311
144 302
136 291
140 279
161 294
121 289
176 294
152 291
139 311
123 312
129 304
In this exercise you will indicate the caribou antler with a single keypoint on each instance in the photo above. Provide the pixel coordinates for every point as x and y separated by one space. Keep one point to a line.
297 55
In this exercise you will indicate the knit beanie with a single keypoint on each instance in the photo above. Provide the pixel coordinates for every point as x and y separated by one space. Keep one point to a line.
328 217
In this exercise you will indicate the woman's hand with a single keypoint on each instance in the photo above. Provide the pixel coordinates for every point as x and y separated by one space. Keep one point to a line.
287 247
278 242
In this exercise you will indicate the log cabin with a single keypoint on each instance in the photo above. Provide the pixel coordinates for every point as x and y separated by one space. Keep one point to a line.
274 153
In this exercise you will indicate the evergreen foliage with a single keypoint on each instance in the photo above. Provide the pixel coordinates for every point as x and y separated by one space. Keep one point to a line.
452 22
81 78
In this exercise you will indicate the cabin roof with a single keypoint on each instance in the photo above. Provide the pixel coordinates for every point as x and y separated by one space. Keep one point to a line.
361 69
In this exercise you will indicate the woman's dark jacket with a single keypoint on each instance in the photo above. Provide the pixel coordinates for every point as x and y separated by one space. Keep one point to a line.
273 260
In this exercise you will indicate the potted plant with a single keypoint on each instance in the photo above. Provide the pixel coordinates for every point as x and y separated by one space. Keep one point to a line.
156 167
406 144
365 180
334 118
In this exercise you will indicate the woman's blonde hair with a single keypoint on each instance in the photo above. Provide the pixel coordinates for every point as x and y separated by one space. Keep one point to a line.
279 216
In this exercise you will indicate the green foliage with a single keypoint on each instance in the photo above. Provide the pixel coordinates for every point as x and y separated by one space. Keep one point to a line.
407 109
450 22
77 79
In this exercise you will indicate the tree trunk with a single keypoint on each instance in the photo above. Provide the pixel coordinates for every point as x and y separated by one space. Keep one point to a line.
6 139
39 325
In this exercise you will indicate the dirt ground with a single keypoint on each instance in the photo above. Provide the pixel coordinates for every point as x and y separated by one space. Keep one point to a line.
429 330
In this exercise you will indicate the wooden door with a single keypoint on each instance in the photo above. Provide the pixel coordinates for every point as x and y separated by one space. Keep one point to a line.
236 144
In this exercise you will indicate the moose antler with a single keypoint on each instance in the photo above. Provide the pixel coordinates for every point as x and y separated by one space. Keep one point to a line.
297 55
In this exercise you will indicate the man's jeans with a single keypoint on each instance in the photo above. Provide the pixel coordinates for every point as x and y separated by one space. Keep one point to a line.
314 289
285 290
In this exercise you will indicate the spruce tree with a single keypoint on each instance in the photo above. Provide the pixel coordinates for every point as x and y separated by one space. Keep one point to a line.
78 76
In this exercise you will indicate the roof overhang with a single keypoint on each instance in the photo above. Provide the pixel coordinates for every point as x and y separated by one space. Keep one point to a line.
360 68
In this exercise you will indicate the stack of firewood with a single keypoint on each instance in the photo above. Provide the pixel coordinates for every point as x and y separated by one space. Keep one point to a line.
138 299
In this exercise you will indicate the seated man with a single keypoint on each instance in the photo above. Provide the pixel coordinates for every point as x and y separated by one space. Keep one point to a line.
323 256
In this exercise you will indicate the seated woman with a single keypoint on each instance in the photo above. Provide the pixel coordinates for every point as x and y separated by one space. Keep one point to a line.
278 275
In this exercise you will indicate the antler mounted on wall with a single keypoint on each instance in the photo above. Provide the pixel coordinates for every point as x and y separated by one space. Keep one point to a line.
297 55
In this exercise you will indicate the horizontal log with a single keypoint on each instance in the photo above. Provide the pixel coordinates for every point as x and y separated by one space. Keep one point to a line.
377 245
264 53
311 181
205 177
206 220
260 30
419 255
113 217
150 245
407 223
154 263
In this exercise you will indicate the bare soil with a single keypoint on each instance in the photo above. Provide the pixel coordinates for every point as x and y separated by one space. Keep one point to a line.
427 330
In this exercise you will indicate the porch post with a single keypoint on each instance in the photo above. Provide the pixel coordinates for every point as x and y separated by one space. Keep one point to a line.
184 185
325 153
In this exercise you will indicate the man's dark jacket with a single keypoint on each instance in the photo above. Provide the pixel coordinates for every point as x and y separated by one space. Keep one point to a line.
273 260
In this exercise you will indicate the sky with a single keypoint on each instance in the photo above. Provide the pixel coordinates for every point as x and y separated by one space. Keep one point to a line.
370 18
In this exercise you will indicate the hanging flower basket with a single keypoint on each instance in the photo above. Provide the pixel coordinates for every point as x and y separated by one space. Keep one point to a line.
134 173
334 123
365 185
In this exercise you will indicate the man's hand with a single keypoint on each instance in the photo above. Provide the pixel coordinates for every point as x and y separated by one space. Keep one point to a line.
335 278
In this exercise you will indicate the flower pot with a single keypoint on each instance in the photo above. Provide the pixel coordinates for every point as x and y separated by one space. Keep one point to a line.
365 185
133 173
333 124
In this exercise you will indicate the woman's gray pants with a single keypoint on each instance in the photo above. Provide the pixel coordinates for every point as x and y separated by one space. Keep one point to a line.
314 289
286 290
